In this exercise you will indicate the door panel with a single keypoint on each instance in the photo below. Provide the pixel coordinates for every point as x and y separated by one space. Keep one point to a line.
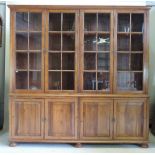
61 115
27 118
130 118
96 118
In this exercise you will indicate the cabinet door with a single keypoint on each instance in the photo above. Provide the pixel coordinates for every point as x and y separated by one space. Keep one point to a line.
96 119
27 118
61 115
130 118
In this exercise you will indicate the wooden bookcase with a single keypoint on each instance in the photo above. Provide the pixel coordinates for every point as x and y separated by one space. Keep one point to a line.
79 74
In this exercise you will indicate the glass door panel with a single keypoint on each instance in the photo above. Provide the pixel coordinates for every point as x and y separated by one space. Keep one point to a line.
28 50
96 54
61 55
130 51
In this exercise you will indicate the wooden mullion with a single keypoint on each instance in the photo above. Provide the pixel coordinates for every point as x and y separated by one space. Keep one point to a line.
96 49
61 45
28 78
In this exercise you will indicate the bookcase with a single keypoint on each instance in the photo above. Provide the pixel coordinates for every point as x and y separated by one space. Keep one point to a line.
79 74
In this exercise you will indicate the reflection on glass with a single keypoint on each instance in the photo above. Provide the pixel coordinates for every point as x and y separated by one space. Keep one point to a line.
54 81
21 61
21 21
123 43
68 80
103 42
35 61
68 61
103 61
21 80
137 22
68 22
103 81
54 21
90 22
89 61
136 81
55 42
137 42
35 21
34 80
123 61
90 42
68 42
123 22
103 22
54 61
35 41
21 41
136 62
89 81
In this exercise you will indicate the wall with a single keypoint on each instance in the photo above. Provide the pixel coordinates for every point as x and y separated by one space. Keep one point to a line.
2 64
102 2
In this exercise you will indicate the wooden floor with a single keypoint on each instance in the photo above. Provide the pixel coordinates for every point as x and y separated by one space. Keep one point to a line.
65 148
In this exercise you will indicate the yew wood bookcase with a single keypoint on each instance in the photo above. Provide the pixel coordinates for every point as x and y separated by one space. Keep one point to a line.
79 74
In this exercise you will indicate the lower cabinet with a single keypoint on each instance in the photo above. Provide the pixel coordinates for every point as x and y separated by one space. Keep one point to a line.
130 119
61 118
27 118
83 119
96 119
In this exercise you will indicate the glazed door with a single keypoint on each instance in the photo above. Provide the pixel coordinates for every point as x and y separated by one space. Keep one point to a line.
62 47
28 48
61 119
96 63
96 119
27 118
130 52
130 119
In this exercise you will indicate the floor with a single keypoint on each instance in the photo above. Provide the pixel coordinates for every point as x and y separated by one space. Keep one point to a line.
67 148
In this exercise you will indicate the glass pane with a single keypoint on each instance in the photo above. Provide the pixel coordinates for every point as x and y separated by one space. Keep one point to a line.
137 22
55 42
123 43
67 80
136 62
34 80
89 61
103 61
123 62
68 22
21 21
136 81
89 81
123 80
54 21
35 61
68 42
123 22
103 81
136 42
103 42
21 80
21 61
35 41
21 41
68 61
54 61
54 81
103 22
90 22
90 42
35 21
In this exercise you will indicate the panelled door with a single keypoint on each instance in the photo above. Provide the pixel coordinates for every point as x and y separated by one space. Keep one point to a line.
27 118
130 119
61 118
96 117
